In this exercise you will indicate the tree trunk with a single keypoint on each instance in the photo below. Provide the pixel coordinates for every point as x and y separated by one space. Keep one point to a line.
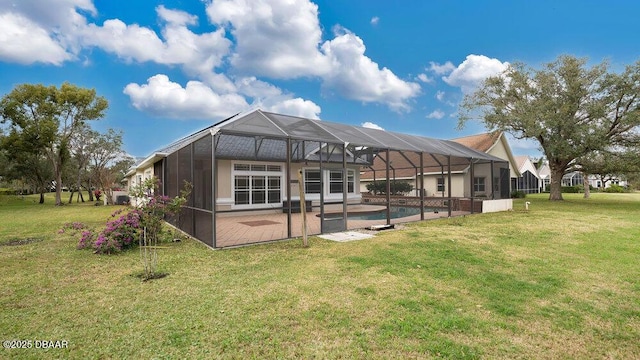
41 197
108 193
555 186
585 181
57 168
70 196
90 191
79 186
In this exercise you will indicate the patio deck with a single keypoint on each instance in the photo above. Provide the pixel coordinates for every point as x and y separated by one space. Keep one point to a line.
244 229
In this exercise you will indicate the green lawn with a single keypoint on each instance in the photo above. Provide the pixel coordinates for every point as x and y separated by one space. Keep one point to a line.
559 281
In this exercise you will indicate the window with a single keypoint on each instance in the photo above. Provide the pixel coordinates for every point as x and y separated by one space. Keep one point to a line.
440 187
257 184
332 177
478 184
311 181
336 181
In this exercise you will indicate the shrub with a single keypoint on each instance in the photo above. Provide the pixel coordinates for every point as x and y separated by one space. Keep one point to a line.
518 194
397 187
614 188
119 234
573 189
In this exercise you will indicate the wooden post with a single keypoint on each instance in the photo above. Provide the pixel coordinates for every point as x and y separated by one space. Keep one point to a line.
303 210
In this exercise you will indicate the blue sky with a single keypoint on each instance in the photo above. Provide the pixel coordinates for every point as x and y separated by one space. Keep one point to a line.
169 68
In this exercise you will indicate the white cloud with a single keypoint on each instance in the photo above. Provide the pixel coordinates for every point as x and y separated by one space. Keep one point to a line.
371 125
436 114
162 97
295 107
176 17
473 70
425 78
271 38
281 39
24 42
375 20
440 69
440 95
356 76
199 54
277 38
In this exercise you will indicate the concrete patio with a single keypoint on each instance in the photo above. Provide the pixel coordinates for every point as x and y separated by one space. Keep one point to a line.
236 230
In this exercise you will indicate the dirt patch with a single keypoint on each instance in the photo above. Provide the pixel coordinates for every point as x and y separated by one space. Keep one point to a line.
16 242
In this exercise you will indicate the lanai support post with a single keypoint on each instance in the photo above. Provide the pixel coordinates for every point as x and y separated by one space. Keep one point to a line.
345 184
214 184
491 182
388 190
321 190
449 184
421 185
288 170
472 182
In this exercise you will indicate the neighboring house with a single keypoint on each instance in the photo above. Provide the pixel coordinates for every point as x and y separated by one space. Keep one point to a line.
574 178
529 181
249 165
544 172
597 181
488 182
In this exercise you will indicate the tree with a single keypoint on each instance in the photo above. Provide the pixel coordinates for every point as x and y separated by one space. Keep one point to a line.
570 109
107 160
51 115
25 160
608 165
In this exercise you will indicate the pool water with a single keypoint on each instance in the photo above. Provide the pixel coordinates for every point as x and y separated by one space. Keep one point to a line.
396 212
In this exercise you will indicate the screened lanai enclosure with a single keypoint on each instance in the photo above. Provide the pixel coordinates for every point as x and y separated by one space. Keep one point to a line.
249 171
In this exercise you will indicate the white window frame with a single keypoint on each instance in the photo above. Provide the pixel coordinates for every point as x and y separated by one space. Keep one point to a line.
326 183
477 185
251 174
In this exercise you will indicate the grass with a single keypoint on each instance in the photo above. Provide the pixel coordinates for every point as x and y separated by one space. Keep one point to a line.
561 280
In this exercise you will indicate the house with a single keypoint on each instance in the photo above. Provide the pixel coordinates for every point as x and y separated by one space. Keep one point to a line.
492 182
529 180
250 171
573 178
544 173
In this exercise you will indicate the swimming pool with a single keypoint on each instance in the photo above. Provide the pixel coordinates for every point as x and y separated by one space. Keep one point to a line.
396 212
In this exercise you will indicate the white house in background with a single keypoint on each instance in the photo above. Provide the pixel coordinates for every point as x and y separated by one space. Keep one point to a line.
544 173
595 181
529 180
574 178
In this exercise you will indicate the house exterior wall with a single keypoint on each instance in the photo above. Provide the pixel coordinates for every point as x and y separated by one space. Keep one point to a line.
500 150
225 197
136 179
482 171
457 184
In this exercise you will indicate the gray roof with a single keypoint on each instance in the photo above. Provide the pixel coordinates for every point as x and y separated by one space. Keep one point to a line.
262 123
261 135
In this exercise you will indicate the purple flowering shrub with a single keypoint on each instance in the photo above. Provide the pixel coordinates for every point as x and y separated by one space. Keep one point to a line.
130 227
120 233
